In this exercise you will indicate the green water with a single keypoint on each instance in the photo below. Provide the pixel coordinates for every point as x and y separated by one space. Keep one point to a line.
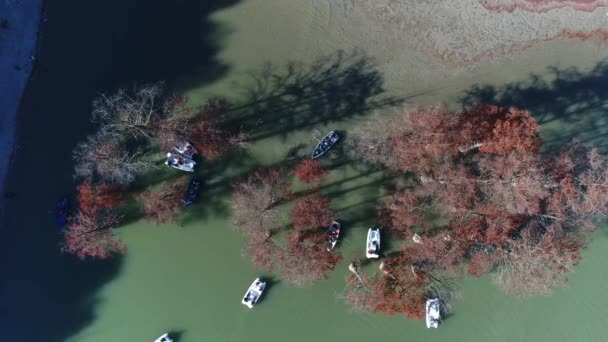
189 278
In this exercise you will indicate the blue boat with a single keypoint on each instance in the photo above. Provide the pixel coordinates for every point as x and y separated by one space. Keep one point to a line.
194 189
324 145
61 212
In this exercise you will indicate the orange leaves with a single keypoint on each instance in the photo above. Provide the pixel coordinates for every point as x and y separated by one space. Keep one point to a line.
164 205
309 171
312 212
92 198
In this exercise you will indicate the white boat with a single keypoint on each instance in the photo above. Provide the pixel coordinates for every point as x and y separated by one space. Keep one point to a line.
164 338
324 145
333 233
180 162
373 243
185 148
432 313
254 292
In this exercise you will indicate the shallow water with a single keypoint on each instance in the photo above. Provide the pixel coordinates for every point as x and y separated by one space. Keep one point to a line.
189 278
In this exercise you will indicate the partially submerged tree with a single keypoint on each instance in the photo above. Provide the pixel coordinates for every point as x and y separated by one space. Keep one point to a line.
102 159
256 201
305 259
165 204
208 134
91 234
498 206
130 114
92 198
312 212
309 171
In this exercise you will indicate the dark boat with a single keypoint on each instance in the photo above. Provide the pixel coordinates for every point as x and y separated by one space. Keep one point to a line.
61 212
194 189
324 145
333 233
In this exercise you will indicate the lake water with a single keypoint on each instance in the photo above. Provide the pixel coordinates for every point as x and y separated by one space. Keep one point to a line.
189 278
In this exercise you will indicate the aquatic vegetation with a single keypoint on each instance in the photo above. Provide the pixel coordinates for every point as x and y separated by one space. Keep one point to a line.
505 208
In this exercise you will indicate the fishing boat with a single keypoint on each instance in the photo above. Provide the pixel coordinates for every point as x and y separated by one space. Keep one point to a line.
432 313
194 188
333 233
254 292
185 148
164 338
373 243
61 212
324 145
180 162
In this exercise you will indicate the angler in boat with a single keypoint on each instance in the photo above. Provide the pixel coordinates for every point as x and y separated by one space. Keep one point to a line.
373 243
333 233
324 145
254 292
61 212
164 338
193 191
180 162
432 313
185 148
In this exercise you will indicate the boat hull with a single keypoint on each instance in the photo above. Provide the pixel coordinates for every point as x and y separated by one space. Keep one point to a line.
372 246
180 162
333 233
254 292
433 314
164 338
325 144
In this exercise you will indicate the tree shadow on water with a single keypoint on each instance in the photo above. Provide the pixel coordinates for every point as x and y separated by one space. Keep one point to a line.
568 103
279 101
84 48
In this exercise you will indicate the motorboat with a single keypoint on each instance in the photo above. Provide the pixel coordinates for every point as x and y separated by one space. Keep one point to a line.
194 189
61 212
433 314
185 148
333 233
254 292
324 145
373 243
180 162
164 338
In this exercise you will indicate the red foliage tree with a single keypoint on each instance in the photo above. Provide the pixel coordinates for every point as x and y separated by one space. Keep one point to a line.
92 198
504 208
309 171
305 259
207 134
400 289
90 234
312 212
164 205
428 137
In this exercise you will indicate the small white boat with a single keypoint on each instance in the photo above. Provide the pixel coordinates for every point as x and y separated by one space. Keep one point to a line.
180 162
254 292
164 338
432 313
324 145
373 243
333 233
185 148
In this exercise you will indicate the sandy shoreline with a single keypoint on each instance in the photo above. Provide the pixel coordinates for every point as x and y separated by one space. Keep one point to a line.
19 22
